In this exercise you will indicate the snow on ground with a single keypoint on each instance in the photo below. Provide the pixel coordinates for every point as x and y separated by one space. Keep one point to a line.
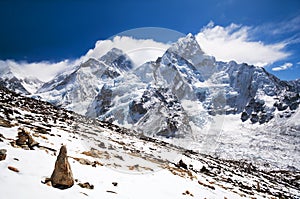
36 165
264 144
119 163
271 145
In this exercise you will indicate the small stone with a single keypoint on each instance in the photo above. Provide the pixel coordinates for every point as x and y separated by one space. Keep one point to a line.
86 185
115 184
108 191
181 164
13 169
2 154
47 182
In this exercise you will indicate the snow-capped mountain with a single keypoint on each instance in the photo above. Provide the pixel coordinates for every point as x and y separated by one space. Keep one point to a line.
188 96
10 78
155 97
76 89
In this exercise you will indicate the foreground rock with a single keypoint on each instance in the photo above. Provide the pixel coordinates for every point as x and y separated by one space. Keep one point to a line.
62 176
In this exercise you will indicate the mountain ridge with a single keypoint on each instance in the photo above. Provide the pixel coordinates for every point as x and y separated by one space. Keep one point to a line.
184 96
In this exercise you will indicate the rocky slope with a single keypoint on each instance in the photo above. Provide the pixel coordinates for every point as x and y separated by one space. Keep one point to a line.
105 160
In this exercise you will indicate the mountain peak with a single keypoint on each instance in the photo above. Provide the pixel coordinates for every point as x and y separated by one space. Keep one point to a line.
15 79
90 62
187 43
188 48
117 58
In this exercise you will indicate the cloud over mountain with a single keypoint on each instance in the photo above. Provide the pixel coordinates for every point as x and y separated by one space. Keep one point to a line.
283 67
234 43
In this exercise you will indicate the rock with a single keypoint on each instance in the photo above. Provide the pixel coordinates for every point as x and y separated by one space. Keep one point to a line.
2 154
254 118
282 107
5 123
13 169
86 185
62 176
108 191
115 184
22 137
204 170
1 136
181 164
244 116
47 182
83 161
25 139
31 142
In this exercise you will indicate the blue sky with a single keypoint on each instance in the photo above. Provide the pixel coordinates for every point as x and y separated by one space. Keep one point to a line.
35 31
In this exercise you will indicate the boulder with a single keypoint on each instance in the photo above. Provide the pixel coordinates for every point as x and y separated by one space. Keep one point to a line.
25 139
62 176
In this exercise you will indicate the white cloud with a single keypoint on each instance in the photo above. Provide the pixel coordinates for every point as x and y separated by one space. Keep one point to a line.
225 43
233 43
287 26
139 50
44 71
283 67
